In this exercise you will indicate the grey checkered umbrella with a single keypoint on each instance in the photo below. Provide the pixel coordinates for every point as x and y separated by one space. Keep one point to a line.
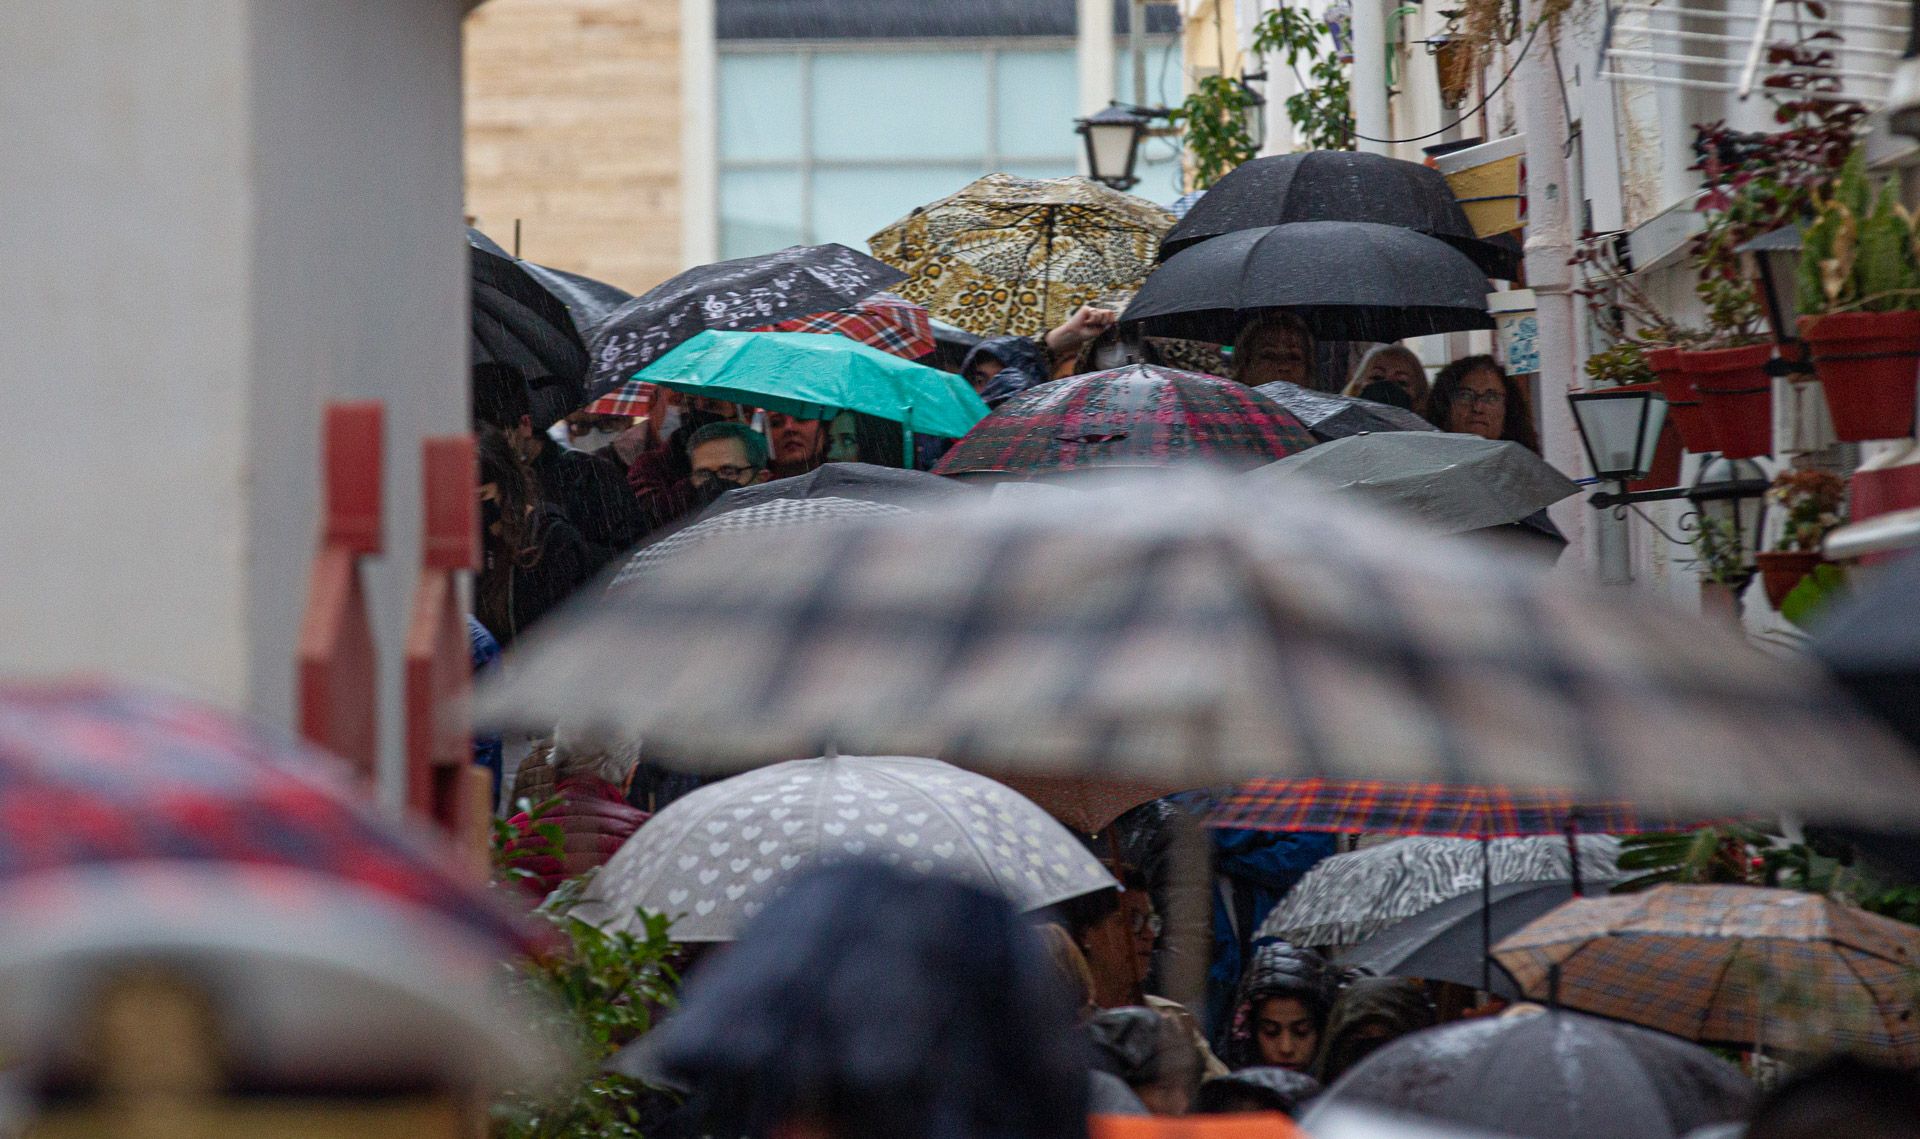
777 514
1168 629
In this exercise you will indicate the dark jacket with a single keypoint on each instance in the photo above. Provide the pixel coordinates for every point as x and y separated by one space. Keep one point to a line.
591 490
594 821
1023 364
1276 969
1272 1089
563 561
1394 1003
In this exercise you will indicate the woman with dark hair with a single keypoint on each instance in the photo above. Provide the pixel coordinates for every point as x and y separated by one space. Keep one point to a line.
853 437
1371 1013
865 1003
1475 396
1275 346
1280 1010
531 556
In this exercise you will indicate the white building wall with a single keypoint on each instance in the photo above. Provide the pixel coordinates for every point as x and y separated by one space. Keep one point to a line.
224 214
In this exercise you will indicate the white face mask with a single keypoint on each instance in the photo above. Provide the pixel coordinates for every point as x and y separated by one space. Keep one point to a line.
558 433
594 440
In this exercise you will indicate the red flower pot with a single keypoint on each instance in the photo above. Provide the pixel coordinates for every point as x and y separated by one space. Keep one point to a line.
1781 570
1684 409
1868 364
1738 396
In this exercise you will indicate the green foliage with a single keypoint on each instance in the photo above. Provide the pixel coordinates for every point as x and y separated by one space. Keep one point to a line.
1213 123
1817 246
1853 189
1884 264
1321 110
1815 592
1710 855
1858 254
607 989
1624 363
1721 554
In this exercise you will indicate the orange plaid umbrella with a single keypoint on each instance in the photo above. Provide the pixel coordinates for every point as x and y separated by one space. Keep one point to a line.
1731 964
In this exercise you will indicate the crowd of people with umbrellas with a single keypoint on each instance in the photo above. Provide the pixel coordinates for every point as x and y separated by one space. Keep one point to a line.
765 534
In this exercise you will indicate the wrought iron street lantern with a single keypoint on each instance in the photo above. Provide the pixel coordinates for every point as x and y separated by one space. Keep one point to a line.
1113 144
1732 493
1620 428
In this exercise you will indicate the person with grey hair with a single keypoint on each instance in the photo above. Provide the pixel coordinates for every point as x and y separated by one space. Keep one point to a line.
1275 345
591 774
1392 364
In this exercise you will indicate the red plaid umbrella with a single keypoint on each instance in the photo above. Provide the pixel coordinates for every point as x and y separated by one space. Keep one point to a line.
1137 416
884 321
1440 809
96 776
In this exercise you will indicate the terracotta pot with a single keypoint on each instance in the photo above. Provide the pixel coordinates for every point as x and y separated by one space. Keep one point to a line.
1868 364
1684 409
1781 570
1738 396
1720 601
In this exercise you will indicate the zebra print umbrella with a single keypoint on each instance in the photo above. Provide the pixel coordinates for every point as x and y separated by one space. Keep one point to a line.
1350 897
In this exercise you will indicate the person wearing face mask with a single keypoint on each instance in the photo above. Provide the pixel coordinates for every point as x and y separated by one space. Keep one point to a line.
720 457
1475 396
532 557
1392 364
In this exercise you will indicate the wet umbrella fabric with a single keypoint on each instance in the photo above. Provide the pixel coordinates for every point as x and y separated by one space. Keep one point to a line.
860 482
1348 280
518 322
1740 965
1350 897
1164 628
1009 255
1550 1075
1871 642
1453 483
773 514
1330 416
745 293
1337 185
98 776
1138 416
811 377
1373 806
1444 942
713 858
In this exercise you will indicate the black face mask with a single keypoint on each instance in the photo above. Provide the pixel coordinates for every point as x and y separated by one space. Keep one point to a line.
705 493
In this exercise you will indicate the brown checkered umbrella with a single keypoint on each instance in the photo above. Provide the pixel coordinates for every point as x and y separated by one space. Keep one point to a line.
1179 631
1733 965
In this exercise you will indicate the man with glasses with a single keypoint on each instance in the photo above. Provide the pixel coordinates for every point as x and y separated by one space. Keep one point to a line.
722 456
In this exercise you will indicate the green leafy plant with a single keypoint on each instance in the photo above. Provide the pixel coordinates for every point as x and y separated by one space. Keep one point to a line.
1819 589
1321 111
1720 553
1710 855
1213 124
1811 500
1624 363
1858 254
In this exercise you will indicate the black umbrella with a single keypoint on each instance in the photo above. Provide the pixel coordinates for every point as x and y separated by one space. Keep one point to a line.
1349 280
1329 416
745 293
1454 483
588 301
517 322
1871 642
1338 185
862 482
1551 1075
1448 941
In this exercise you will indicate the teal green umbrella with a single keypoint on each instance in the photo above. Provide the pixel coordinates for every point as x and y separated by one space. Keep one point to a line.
811 376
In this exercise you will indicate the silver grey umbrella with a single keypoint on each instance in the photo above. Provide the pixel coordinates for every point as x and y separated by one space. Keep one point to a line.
1350 897
1454 483
711 859
773 514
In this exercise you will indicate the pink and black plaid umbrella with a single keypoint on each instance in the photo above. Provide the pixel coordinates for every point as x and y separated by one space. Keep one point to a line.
95 776
884 321
1137 416
1445 810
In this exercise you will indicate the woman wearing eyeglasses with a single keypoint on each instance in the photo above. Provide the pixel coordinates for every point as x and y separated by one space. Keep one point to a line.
1475 396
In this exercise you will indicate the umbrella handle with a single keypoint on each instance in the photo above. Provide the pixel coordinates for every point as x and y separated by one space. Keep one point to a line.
906 438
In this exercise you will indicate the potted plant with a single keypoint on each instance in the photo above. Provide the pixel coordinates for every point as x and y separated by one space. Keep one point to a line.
1624 367
1811 500
1724 571
1859 283
1648 343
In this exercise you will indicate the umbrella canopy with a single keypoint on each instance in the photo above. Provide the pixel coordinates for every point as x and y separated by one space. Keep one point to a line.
97 776
862 482
1349 280
1457 811
713 858
1167 629
320 981
1871 642
773 514
813 377
1137 416
882 321
1547 1076
588 301
1337 185
1331 416
749 292
1350 897
518 322
1011 255
1732 964
1448 942
1454 483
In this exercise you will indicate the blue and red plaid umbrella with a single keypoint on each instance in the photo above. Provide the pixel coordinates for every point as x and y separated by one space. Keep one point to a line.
884 321
92 775
1138 416
1440 809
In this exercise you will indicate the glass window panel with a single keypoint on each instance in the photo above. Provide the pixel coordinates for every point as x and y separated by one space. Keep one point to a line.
850 205
1039 96
759 114
759 211
905 104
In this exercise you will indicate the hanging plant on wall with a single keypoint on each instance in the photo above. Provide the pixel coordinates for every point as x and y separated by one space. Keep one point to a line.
1213 126
1321 111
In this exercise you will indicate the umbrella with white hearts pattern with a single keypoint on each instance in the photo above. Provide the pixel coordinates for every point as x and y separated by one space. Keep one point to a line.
712 859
